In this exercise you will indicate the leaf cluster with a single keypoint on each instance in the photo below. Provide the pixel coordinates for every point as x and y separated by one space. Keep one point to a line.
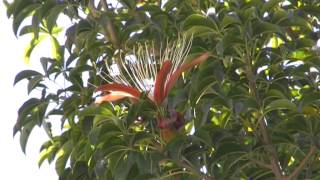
251 110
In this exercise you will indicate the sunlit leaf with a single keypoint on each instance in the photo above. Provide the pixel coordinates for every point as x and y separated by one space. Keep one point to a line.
63 156
33 43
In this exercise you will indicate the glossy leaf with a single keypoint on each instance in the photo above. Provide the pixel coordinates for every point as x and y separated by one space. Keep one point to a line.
53 16
270 5
22 16
250 112
25 133
33 43
26 74
281 104
34 82
197 24
63 156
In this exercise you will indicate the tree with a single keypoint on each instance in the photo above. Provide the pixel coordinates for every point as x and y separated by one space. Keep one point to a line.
246 106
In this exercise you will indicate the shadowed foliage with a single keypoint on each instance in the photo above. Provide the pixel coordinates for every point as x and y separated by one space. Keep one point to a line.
249 109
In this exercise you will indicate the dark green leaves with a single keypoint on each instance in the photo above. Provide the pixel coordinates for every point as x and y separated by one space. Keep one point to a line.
31 113
270 5
25 133
281 104
26 74
253 103
198 24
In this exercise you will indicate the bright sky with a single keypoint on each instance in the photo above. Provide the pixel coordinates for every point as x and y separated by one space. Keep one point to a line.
14 164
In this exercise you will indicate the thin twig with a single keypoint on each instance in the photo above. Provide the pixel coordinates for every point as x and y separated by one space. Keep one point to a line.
262 164
276 168
302 164
110 28
93 9
104 5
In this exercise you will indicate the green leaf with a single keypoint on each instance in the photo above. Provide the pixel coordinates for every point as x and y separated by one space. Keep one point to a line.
230 20
142 108
175 147
311 9
23 113
52 17
297 124
300 54
48 151
17 20
80 170
25 74
70 37
57 52
33 43
199 24
63 156
115 159
266 27
128 3
305 43
25 133
276 93
280 136
18 5
204 136
98 111
40 112
44 63
123 168
281 104
28 105
229 41
270 5
34 82
26 30
148 162
228 148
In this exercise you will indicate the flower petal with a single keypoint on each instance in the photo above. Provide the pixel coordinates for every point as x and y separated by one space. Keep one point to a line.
116 92
177 73
112 96
160 81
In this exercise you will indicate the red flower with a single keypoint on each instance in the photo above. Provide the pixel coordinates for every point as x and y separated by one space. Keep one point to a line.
140 74
164 82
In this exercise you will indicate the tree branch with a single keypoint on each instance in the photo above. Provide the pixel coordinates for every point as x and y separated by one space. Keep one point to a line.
303 163
266 140
93 9
260 163
110 28
275 165
104 5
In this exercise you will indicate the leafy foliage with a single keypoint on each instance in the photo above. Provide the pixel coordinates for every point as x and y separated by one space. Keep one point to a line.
251 110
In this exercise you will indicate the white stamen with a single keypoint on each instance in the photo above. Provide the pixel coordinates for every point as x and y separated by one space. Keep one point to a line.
140 68
114 70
